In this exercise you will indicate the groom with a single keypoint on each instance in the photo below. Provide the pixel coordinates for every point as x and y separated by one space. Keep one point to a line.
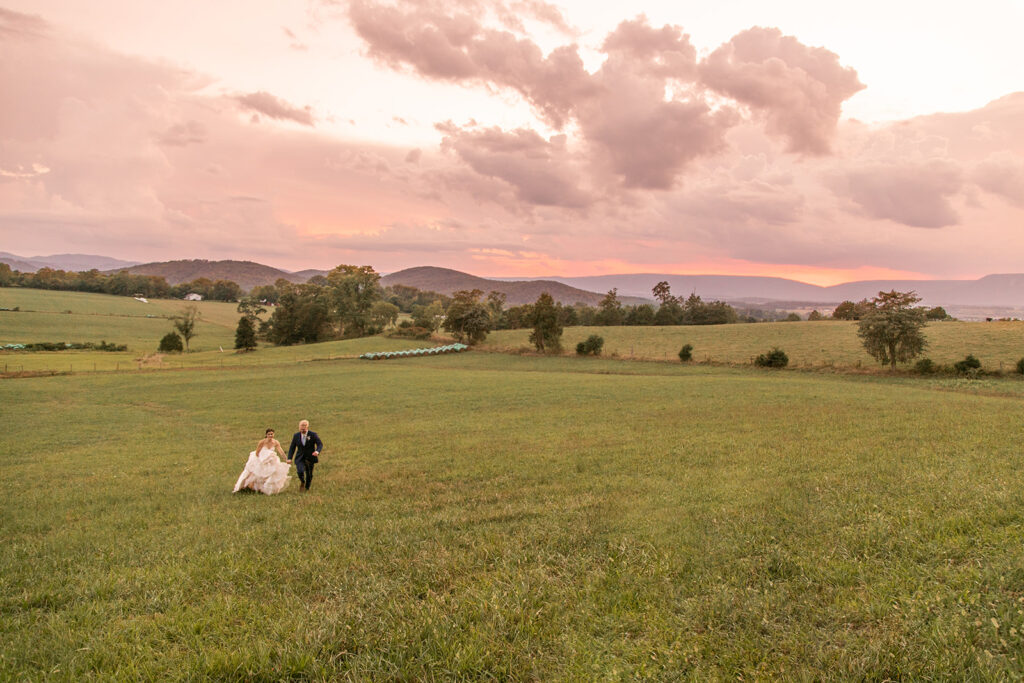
308 445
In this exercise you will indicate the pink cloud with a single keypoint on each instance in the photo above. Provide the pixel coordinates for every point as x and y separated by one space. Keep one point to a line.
1002 174
914 194
799 89
276 108
539 170
17 25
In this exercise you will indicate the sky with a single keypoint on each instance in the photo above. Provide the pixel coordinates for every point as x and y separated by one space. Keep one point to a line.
519 138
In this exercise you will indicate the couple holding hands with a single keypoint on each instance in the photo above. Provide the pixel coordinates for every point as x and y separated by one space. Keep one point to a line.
264 471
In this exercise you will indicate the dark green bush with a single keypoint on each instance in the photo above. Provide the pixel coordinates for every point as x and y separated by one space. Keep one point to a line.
591 347
925 366
686 353
968 366
409 332
171 343
1020 366
776 358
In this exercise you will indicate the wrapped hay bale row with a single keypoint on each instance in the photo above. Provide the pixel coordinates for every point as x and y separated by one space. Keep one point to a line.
437 350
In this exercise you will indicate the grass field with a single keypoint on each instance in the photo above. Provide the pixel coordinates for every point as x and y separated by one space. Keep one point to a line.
827 343
483 516
489 516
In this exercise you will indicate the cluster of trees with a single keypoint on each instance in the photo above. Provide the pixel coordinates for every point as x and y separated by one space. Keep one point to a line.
849 310
120 283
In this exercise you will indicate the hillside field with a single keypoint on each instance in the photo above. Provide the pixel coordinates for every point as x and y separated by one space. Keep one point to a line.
79 317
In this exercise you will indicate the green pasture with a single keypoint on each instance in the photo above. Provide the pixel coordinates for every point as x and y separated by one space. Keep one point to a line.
46 316
482 516
825 343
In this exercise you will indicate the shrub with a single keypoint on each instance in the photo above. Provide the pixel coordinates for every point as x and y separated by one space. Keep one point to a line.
776 358
968 366
409 332
686 353
1020 366
925 366
591 347
171 343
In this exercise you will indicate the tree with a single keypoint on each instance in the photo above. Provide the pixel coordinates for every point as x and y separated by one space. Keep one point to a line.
892 328
251 308
383 314
663 293
937 313
185 324
302 315
245 334
467 318
815 315
225 290
6 275
171 343
495 304
353 289
610 309
641 314
428 317
852 311
547 331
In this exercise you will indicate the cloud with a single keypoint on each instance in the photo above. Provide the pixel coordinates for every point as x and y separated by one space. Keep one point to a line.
651 109
539 170
754 203
799 89
453 45
1002 174
276 108
181 134
35 170
17 25
914 194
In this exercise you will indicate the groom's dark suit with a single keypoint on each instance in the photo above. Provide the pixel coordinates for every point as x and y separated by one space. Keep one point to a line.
304 455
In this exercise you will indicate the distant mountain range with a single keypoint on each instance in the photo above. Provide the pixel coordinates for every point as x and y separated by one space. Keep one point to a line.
517 292
991 290
75 262
1003 295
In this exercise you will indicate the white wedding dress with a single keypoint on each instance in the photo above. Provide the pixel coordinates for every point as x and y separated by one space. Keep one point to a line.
264 473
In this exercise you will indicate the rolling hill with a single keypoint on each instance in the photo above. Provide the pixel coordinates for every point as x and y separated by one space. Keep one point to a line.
447 281
70 262
247 274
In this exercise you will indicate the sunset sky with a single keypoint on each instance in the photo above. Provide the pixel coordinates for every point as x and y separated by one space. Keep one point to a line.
514 138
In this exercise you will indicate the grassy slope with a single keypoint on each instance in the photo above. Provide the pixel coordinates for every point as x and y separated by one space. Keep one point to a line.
806 343
482 516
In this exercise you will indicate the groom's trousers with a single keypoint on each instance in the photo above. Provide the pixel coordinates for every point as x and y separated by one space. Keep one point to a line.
305 472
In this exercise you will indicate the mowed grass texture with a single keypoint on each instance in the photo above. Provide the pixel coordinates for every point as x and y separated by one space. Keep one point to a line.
479 517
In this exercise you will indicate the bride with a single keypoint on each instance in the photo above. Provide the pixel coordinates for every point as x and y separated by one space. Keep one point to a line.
264 471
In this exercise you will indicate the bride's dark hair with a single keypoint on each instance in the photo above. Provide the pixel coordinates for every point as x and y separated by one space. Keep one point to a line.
269 429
